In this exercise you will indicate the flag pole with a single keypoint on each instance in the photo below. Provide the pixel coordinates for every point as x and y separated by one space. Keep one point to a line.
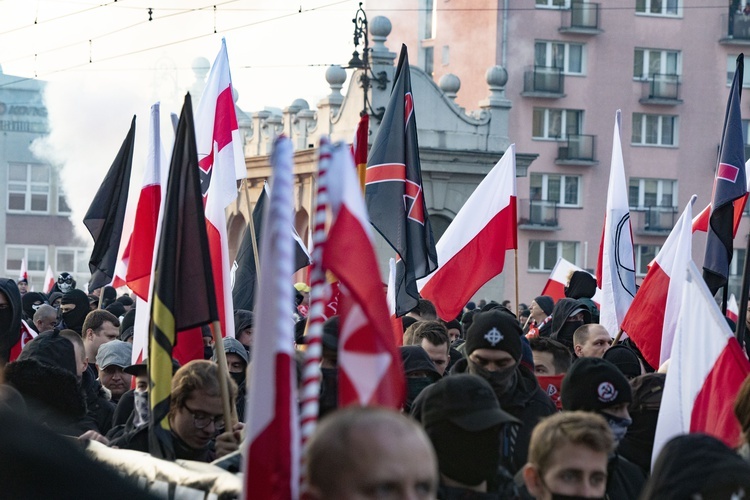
221 358
742 316
518 310
252 230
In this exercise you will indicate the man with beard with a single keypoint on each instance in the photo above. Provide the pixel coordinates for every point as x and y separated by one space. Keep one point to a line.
493 352
567 316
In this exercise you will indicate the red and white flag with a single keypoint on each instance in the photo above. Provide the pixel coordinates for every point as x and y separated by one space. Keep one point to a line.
370 371
24 274
615 273
27 335
733 310
49 280
272 440
652 318
359 148
390 297
222 163
559 278
700 221
706 369
472 250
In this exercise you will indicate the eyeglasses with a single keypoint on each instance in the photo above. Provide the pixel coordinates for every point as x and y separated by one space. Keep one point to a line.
201 420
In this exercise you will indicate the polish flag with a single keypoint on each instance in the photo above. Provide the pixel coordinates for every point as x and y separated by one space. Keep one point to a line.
706 369
272 455
27 335
390 297
733 310
222 163
559 278
615 273
370 371
24 274
49 280
472 250
700 222
652 318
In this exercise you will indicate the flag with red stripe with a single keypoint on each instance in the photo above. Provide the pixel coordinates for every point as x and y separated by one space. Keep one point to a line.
49 280
359 148
472 250
733 310
559 278
222 163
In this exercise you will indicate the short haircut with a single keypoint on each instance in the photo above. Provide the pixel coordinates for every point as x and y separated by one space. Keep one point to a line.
96 318
76 339
198 375
425 309
560 354
434 332
580 428
581 335
44 311
409 333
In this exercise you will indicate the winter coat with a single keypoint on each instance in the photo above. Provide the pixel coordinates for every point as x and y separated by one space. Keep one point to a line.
10 322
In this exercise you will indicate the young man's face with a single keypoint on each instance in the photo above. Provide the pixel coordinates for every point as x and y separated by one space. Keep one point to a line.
199 409
544 363
574 470
595 345
438 354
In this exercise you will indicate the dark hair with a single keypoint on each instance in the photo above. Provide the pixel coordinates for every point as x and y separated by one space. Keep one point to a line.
560 354
434 332
425 309
96 318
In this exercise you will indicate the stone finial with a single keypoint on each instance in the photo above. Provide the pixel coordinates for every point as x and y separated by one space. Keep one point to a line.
380 28
450 84
496 77
298 105
336 76
200 68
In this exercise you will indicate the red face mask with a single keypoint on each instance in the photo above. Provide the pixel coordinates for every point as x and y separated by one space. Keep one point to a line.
551 385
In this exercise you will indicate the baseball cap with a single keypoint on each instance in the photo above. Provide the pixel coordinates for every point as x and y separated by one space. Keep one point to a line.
115 352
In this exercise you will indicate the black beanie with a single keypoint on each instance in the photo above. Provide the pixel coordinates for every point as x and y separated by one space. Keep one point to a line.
50 348
624 359
495 329
545 303
594 384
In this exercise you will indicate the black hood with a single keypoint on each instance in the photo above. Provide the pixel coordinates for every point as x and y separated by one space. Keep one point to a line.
581 285
562 310
28 301
415 359
242 319
10 322
74 319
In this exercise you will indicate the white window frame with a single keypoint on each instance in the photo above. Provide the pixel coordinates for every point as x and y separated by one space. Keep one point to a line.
552 4
638 260
563 181
559 253
640 120
29 186
660 184
428 11
731 66
14 273
664 55
563 123
549 59
75 271
664 6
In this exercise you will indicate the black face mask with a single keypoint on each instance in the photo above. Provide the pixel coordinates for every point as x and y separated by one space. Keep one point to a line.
467 457
6 318
238 377
559 496
565 334
208 352
329 390
414 385
501 381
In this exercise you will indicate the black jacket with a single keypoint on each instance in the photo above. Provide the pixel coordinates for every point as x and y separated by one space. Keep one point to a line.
10 321
625 480
100 409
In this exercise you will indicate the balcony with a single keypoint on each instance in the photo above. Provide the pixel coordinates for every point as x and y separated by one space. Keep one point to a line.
653 220
538 215
736 29
577 150
661 90
582 18
543 81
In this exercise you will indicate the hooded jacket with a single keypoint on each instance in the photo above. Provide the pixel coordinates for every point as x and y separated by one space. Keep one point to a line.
74 318
10 319
560 314
28 304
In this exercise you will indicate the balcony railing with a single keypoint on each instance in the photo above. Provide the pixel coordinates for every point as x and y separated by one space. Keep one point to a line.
582 17
736 28
661 89
539 214
543 81
577 148
654 219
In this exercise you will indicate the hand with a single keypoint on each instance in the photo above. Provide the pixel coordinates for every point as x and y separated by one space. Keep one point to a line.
93 436
229 441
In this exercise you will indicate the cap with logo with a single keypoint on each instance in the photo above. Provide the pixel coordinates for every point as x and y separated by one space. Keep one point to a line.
594 384
495 329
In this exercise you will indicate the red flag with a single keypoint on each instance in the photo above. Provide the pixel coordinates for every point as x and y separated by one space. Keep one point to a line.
359 148
700 221
370 365
24 274
472 250
272 466
733 310
558 280
221 162
27 335
49 280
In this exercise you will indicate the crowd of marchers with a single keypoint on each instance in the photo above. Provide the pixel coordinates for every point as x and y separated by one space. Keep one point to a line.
500 404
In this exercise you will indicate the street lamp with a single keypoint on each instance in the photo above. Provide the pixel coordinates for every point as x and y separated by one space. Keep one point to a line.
367 77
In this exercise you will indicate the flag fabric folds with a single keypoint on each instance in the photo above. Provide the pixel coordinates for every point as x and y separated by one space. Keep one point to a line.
183 290
615 272
558 280
49 280
652 318
370 371
700 221
106 214
472 249
394 193
245 275
272 440
733 309
706 369
24 274
222 163
359 148
730 187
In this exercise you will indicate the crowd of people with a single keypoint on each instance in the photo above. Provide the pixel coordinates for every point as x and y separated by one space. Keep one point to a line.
536 403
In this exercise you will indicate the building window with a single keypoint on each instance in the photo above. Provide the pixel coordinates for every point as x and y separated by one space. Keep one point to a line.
649 62
62 202
543 255
645 193
550 123
731 67
644 254
658 7
553 4
654 130
429 60
569 57
36 259
72 260
565 190
738 262
429 11
28 188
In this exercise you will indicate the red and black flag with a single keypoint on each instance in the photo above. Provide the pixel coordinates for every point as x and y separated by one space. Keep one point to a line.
394 193
730 187
106 214
183 295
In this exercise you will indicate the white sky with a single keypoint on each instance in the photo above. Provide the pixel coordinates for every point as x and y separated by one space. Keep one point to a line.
105 61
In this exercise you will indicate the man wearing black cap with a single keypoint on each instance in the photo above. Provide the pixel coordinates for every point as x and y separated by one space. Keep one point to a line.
541 316
464 422
493 352
596 385
567 316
